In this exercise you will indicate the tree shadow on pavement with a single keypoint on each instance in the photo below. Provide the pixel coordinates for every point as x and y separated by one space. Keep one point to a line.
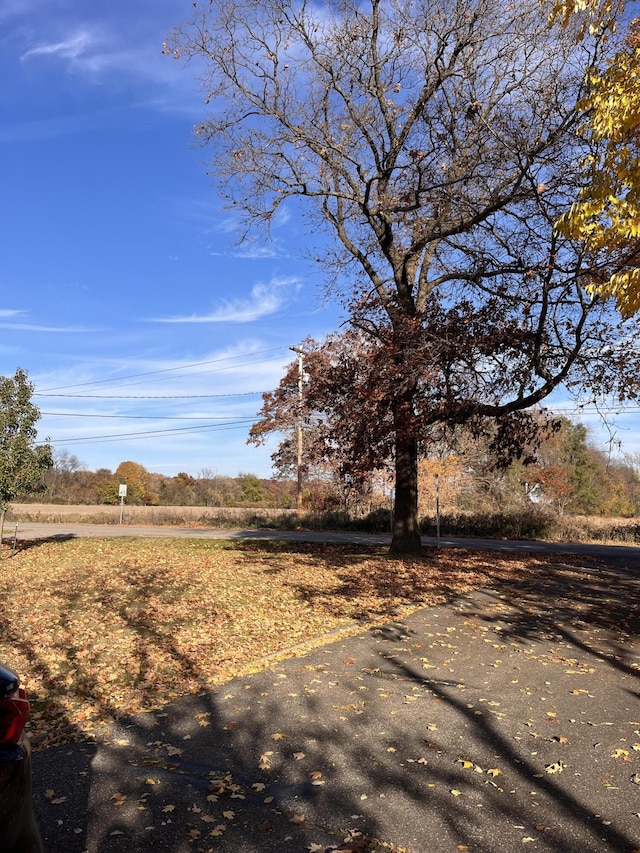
598 611
502 719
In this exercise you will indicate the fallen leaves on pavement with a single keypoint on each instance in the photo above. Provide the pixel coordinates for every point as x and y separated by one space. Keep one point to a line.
99 629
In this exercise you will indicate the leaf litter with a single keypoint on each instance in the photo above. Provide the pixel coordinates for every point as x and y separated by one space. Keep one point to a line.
100 629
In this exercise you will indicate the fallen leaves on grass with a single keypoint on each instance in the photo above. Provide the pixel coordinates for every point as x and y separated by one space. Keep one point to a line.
105 628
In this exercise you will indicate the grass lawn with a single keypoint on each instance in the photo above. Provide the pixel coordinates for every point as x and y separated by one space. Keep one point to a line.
98 629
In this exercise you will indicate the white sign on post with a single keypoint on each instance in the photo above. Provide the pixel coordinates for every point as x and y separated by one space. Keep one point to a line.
122 493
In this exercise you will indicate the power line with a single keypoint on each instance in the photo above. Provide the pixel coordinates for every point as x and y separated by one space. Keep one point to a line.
164 370
97 440
148 396
584 410
197 373
90 439
138 417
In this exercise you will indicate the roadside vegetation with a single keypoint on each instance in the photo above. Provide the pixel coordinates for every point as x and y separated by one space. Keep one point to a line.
567 489
531 524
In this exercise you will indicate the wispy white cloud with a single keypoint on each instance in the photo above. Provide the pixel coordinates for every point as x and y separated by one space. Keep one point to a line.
35 327
231 222
257 253
237 366
265 300
117 398
282 217
125 50
266 245
251 252
72 48
90 51
10 312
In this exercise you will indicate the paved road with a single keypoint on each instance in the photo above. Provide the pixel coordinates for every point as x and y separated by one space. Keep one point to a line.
629 553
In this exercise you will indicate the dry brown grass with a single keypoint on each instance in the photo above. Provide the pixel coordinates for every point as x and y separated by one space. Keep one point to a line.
166 516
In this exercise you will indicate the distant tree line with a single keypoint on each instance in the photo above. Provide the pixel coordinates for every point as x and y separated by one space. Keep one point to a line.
70 482
566 473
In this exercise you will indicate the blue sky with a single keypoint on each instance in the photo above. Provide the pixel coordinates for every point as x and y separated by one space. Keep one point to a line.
117 260
148 334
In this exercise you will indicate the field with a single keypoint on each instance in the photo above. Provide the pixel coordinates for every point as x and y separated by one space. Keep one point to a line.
170 516
99 629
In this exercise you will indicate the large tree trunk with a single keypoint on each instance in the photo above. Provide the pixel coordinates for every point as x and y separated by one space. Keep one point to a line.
406 524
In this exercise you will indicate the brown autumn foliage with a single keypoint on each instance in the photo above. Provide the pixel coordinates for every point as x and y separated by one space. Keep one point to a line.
453 479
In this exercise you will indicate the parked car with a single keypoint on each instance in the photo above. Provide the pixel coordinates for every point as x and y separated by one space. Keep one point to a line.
18 828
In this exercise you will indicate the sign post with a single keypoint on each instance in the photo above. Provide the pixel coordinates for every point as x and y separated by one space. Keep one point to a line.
437 483
122 491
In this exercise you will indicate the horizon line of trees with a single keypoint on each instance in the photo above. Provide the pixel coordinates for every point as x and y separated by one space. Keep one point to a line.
567 473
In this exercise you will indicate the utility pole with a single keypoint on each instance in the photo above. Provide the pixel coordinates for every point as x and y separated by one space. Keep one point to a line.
437 484
302 378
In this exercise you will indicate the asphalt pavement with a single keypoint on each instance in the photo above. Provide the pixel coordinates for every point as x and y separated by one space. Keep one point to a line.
502 721
41 530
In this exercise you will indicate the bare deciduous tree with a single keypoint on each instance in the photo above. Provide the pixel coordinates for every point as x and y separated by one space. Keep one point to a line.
434 141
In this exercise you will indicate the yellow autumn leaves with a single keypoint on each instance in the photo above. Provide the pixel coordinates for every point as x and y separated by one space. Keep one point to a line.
606 214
